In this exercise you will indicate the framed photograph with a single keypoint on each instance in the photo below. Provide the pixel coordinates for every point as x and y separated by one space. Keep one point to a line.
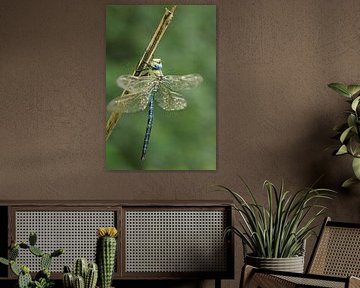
161 111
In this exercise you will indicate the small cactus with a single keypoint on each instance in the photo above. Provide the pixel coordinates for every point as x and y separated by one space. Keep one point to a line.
105 254
32 239
13 252
81 266
36 251
68 278
24 278
57 253
14 267
79 282
43 274
45 261
24 245
83 272
91 276
25 269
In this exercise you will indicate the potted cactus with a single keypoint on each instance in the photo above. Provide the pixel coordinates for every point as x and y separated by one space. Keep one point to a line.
42 278
105 254
85 275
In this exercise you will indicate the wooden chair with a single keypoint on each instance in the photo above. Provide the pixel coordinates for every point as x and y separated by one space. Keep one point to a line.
335 262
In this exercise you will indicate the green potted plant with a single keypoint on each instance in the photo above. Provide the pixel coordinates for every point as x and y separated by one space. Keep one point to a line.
348 132
106 254
42 278
274 235
84 274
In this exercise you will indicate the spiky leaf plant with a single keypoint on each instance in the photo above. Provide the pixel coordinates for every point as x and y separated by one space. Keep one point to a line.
279 229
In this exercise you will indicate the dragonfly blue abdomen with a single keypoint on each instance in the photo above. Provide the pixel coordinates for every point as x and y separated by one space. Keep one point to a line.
149 125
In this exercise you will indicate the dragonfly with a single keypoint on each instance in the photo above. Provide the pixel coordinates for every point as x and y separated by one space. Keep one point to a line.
150 87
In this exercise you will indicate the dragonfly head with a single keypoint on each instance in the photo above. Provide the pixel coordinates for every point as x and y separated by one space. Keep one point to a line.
156 64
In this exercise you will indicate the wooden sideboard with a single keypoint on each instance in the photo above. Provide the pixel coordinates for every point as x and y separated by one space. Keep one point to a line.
157 240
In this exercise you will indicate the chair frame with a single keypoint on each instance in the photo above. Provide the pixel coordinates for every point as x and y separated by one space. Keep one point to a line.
268 278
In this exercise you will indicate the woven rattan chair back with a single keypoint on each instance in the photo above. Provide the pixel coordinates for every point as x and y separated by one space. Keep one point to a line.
337 252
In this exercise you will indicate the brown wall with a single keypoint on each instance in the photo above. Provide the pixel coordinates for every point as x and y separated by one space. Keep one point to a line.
275 113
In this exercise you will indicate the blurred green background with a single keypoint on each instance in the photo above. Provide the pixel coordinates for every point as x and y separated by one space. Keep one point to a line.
180 140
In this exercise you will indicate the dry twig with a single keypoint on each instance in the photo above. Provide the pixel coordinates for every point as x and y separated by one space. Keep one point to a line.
148 54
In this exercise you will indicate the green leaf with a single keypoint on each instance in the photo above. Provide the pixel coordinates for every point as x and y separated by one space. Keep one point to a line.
353 89
351 121
350 182
340 128
356 167
345 134
342 150
355 103
340 88
353 145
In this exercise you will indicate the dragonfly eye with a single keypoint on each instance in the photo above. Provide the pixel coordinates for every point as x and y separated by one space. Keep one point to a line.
157 66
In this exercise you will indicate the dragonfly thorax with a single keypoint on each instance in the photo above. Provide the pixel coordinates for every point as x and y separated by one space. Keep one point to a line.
156 86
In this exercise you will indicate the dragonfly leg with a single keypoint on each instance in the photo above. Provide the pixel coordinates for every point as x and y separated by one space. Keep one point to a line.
148 126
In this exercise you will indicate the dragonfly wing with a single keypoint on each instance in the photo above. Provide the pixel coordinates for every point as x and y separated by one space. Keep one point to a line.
182 82
169 100
135 84
128 103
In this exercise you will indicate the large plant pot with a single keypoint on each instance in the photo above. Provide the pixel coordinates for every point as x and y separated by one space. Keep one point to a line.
291 264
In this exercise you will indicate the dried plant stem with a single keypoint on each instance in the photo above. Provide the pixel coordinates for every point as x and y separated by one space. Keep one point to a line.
147 56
